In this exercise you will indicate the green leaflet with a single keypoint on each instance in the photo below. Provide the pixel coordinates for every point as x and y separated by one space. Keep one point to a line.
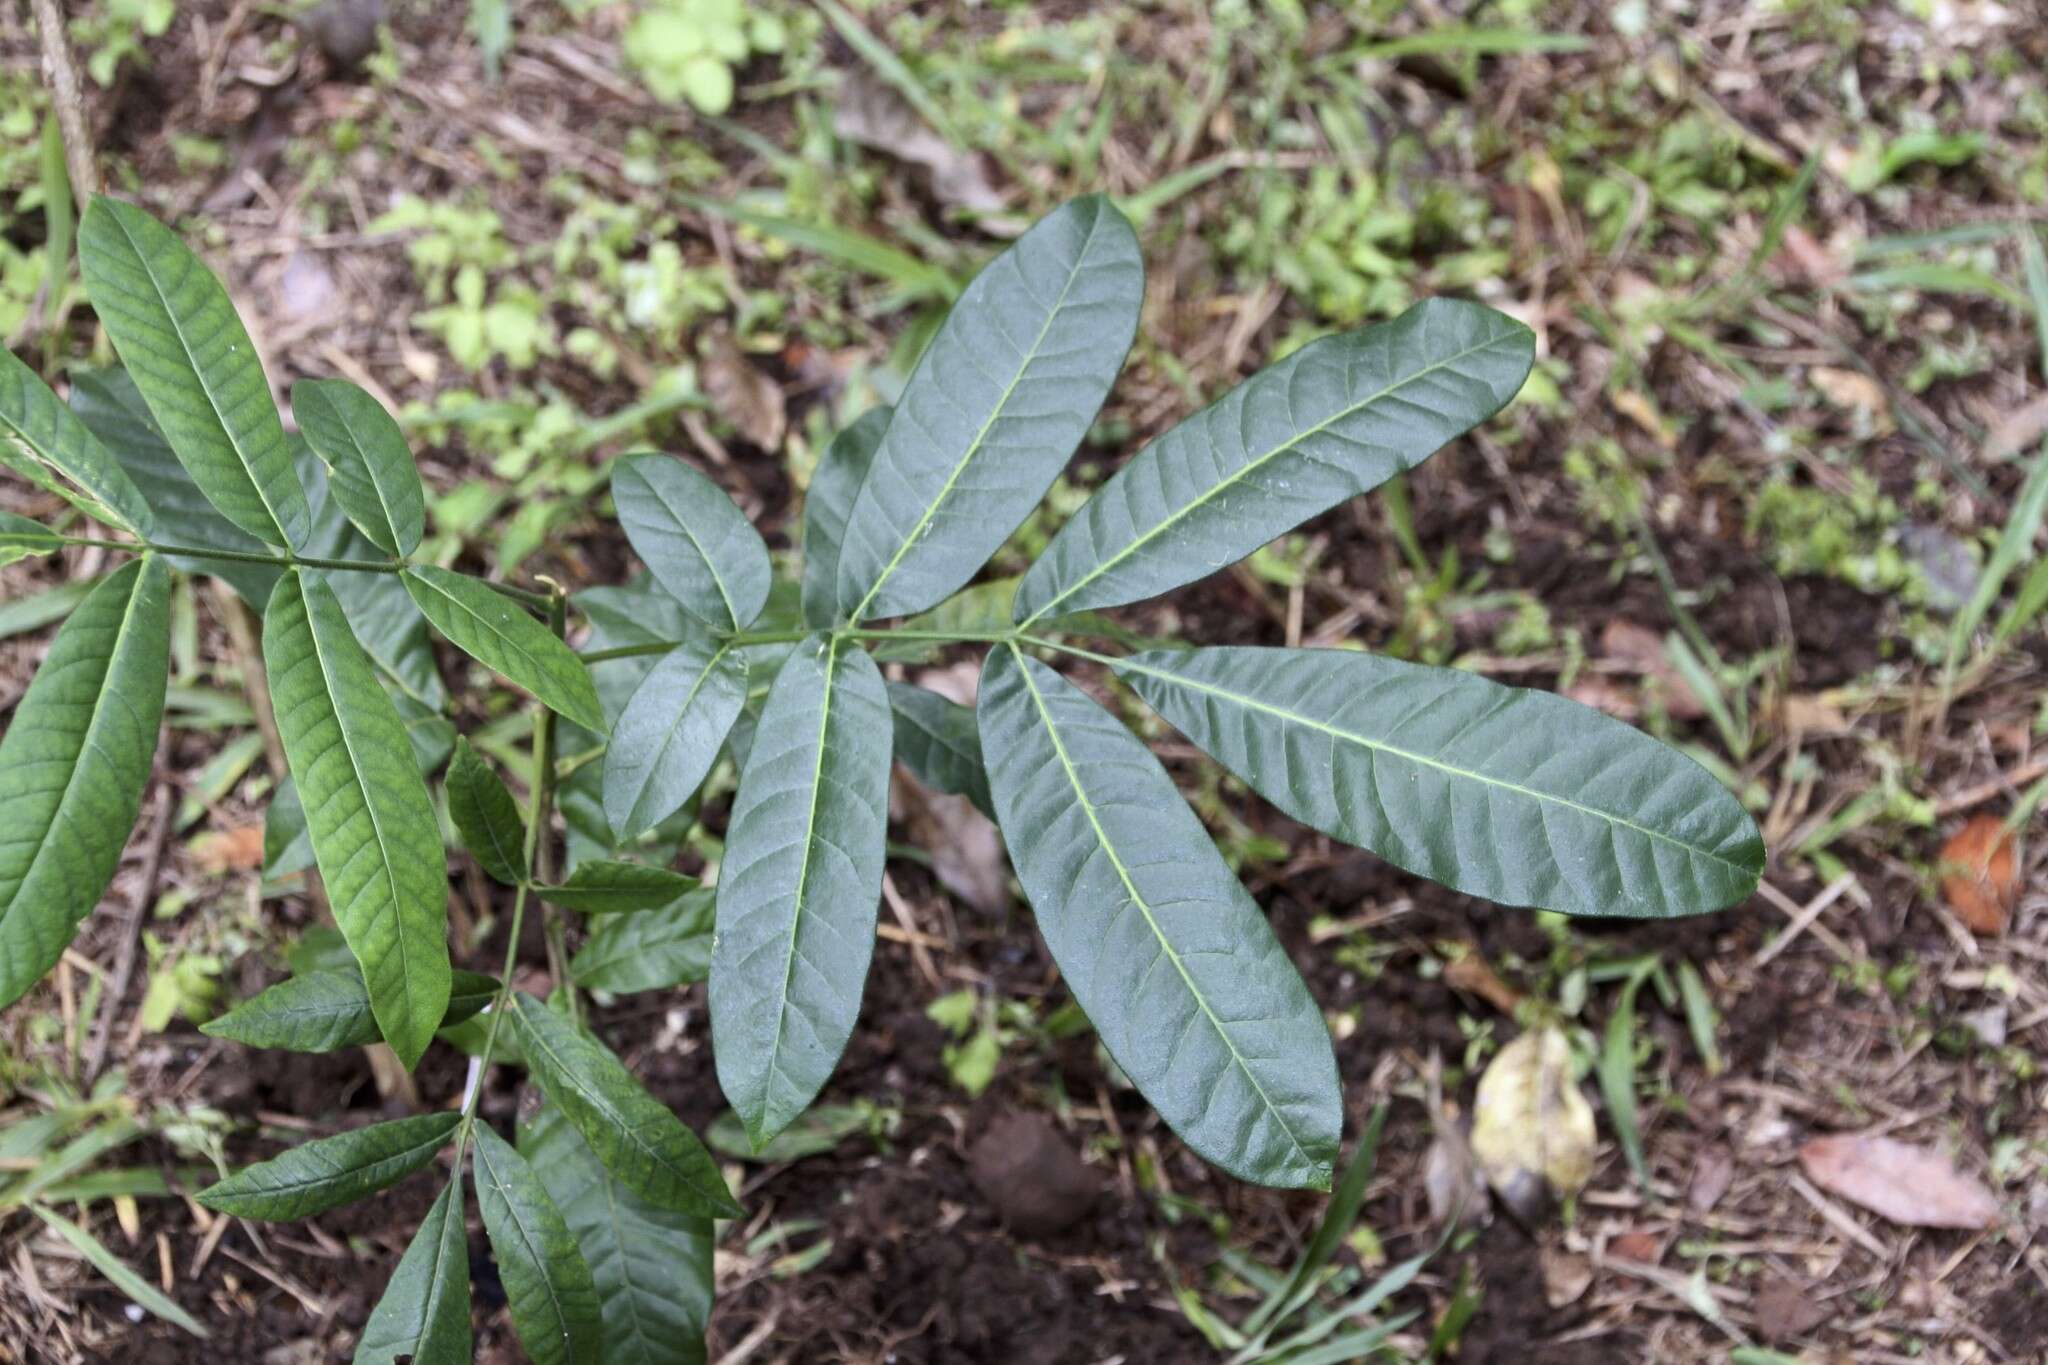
600 886
653 950
375 837
113 409
993 410
547 1283
324 1011
636 1137
498 633
1172 960
939 741
44 442
1338 417
699 547
374 477
485 816
670 733
423 1318
21 538
1518 796
800 885
73 766
316 1176
652 1267
827 504
192 359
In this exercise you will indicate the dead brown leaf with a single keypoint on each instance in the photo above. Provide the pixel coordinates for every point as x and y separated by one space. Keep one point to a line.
743 395
1566 1277
1713 1171
1980 875
1786 1308
1642 649
872 114
1641 409
1474 975
1904 1184
966 847
2017 430
229 850
1856 392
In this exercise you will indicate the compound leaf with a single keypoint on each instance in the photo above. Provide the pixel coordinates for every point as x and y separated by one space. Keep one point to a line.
375 836
1166 952
699 547
1518 796
547 1283
324 1011
192 359
498 633
636 1137
73 766
1338 417
939 741
801 882
827 504
325 1174
651 1266
670 733
993 410
485 816
423 1318
600 886
653 950
44 442
368 461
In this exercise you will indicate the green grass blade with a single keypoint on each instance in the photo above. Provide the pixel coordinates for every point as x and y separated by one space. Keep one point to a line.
119 1274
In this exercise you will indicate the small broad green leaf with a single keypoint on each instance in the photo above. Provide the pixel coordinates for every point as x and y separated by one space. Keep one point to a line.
485 816
1169 955
651 1266
547 1282
498 633
636 1137
119 1272
1518 796
375 479
994 410
699 547
650 951
73 766
827 504
113 409
600 886
423 1318
376 839
287 847
325 1174
939 741
21 538
801 882
324 1011
1338 417
45 443
670 734
193 361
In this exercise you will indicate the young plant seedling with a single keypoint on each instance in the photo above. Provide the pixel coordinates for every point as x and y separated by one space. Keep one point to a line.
600 1215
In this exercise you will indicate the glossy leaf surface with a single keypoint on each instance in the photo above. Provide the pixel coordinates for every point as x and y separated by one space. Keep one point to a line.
332 1171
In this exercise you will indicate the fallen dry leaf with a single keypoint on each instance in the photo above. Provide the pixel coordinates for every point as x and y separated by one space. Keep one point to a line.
1638 1245
1787 1308
1532 1131
2017 430
872 114
1713 1171
1809 715
1566 1277
1901 1183
1472 974
1980 875
1604 694
1642 410
229 850
966 847
1856 392
1642 649
742 395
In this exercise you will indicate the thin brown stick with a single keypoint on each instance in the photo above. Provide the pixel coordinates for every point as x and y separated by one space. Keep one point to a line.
131 934
62 78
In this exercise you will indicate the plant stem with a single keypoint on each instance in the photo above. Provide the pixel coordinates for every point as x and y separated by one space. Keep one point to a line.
784 637
538 600
553 928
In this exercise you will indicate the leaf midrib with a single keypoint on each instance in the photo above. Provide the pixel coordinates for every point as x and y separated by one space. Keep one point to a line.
960 467
1449 769
538 1258
369 470
192 363
688 533
668 737
1137 899
1244 471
